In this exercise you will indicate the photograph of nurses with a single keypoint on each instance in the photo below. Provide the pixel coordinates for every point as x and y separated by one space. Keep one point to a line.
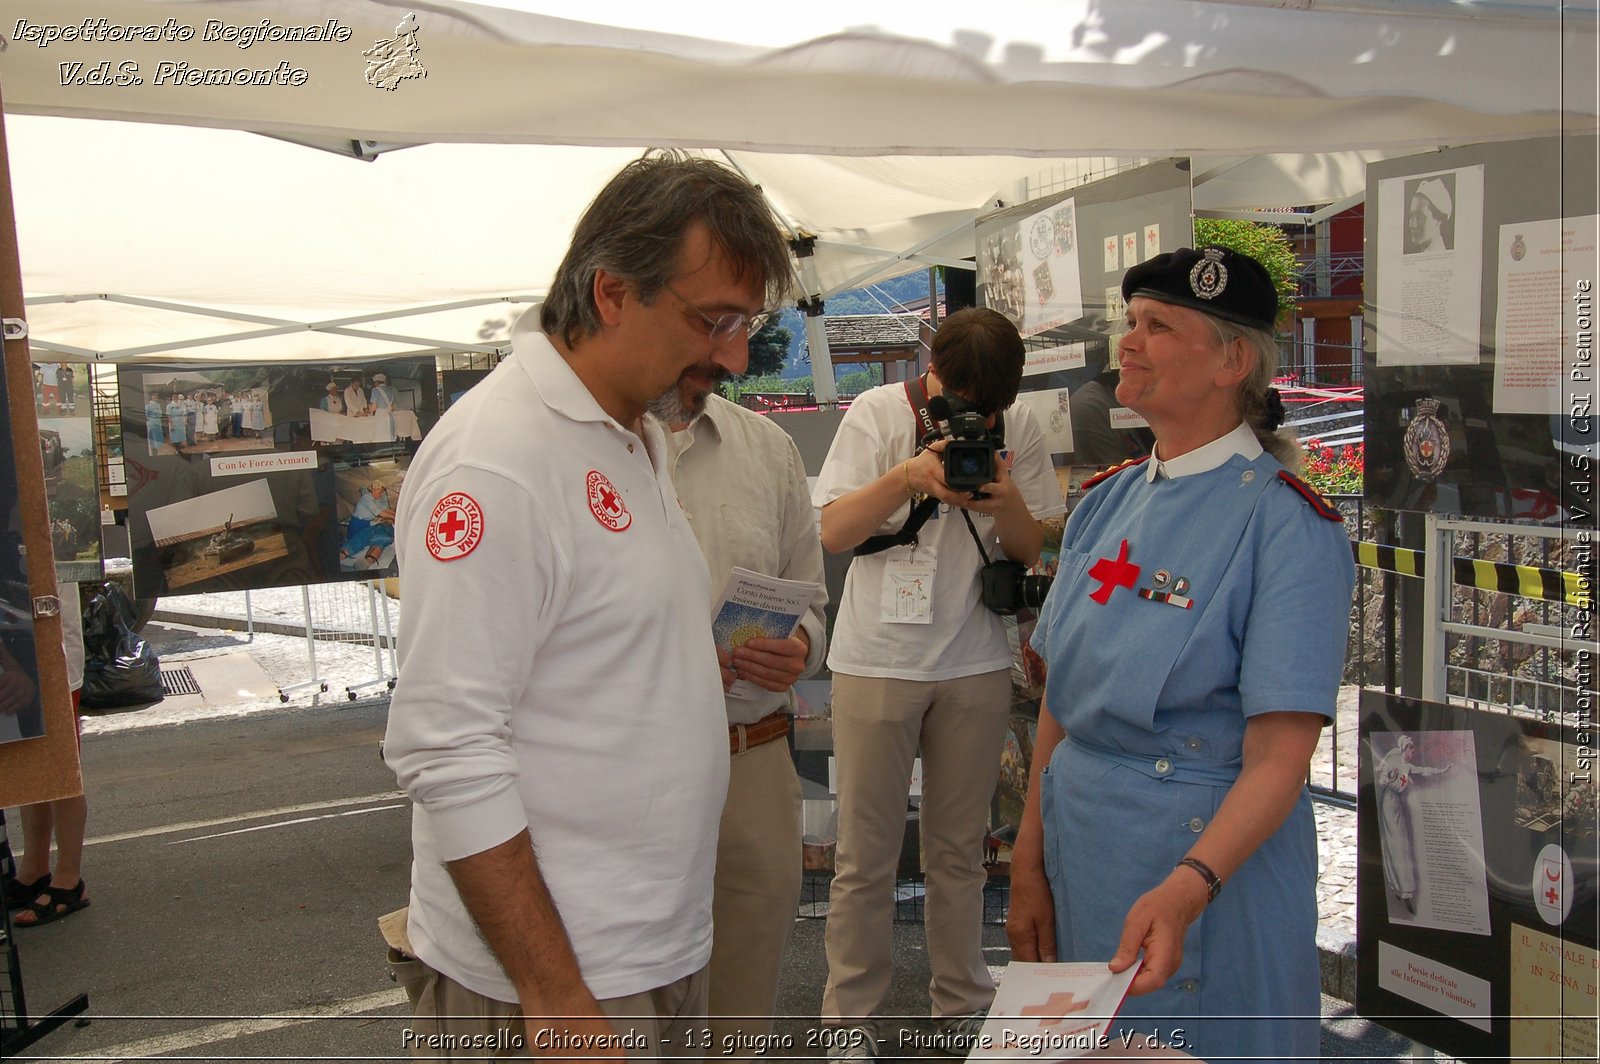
192 412
359 408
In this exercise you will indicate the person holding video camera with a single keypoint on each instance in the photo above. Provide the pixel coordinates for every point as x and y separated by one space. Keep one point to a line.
919 659
1195 639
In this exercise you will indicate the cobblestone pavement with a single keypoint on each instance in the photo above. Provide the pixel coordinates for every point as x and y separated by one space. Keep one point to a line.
1336 824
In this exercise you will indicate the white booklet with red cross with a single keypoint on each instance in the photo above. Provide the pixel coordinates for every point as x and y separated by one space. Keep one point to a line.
1053 1011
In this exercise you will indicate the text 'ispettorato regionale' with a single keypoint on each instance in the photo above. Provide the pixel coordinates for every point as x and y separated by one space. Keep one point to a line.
126 71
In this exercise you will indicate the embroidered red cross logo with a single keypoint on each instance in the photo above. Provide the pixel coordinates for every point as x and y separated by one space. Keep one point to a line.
1057 1007
606 503
1112 574
452 526
455 528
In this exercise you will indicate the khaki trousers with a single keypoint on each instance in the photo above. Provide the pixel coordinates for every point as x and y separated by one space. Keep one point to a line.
757 893
450 1022
878 726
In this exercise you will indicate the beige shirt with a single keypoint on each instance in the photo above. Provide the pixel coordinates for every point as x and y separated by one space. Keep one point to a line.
742 483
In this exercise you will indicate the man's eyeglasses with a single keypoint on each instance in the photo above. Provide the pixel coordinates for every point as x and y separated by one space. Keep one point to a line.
727 325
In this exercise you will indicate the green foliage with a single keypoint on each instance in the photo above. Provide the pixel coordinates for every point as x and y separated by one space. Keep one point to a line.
769 350
768 382
881 296
79 472
1265 243
855 383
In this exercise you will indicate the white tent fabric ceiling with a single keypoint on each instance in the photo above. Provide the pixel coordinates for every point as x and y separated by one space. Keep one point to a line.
876 139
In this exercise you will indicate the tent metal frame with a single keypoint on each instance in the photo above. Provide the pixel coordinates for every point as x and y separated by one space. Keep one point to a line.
276 327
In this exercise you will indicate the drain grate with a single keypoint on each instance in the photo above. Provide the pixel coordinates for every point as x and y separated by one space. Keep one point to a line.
179 682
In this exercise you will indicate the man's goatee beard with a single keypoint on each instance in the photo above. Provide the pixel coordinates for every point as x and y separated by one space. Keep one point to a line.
670 409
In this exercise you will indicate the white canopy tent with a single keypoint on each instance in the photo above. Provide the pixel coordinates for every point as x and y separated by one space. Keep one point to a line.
882 141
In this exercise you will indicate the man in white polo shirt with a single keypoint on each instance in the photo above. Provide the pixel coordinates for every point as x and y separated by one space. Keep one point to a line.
558 720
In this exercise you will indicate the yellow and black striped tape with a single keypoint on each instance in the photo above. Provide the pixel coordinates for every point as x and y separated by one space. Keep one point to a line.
1550 585
1390 559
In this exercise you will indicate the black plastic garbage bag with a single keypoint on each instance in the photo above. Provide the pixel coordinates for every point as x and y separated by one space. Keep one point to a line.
119 668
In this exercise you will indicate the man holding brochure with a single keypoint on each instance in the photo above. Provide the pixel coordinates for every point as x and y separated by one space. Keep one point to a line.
555 721
742 483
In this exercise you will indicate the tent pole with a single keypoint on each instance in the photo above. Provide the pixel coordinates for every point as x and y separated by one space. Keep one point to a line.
53 756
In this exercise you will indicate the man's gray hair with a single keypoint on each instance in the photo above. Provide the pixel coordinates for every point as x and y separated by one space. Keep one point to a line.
634 229
1281 443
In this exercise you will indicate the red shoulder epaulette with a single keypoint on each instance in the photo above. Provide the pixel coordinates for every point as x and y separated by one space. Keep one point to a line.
1318 501
1113 471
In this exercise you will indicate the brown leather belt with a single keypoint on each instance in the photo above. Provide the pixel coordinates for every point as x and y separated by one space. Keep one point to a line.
742 737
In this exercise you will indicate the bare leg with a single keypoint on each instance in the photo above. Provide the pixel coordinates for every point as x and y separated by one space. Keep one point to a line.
37 820
71 818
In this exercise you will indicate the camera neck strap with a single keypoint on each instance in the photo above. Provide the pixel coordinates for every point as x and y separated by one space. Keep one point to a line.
976 539
919 400
917 397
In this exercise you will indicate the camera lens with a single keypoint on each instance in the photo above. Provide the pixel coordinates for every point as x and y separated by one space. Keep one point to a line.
1034 589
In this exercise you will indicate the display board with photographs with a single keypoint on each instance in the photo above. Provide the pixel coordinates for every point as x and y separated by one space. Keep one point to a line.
1478 349
268 475
21 711
63 402
1054 266
1477 879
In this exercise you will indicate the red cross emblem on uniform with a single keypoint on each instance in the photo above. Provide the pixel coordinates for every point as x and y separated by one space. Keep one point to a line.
605 502
1112 574
455 528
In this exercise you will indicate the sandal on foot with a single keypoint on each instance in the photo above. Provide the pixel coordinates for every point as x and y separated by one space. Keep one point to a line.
63 902
18 893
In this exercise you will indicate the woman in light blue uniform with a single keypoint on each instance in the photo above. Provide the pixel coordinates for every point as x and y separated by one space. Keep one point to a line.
153 414
1195 639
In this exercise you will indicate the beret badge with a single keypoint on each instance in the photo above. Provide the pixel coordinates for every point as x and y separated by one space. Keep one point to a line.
1209 277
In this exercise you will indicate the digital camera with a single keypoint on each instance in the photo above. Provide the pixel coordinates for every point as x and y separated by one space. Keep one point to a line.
1007 587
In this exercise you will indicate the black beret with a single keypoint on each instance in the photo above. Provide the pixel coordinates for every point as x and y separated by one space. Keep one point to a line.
1219 281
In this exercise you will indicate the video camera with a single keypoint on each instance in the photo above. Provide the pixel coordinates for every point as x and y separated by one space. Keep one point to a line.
970 463
969 457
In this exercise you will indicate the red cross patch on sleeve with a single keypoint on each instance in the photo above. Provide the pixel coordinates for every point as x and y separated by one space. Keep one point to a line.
455 528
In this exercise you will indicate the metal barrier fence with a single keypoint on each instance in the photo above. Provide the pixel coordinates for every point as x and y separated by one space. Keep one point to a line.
357 614
1511 603
1522 652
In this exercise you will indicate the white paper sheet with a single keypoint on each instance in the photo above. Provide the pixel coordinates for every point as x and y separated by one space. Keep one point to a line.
1429 301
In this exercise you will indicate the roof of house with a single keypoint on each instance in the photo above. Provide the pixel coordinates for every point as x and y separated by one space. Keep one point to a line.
872 330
